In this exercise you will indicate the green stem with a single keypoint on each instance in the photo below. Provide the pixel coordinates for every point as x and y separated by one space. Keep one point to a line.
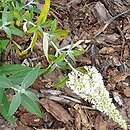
58 50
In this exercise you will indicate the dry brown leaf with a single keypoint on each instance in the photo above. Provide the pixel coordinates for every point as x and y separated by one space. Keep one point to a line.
85 60
120 77
101 13
100 124
107 50
107 38
85 119
69 92
127 91
29 119
78 121
54 76
56 110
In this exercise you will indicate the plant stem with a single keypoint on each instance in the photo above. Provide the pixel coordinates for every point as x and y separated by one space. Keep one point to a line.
58 50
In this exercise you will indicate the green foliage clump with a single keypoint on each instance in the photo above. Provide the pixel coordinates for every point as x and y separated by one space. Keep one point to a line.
17 17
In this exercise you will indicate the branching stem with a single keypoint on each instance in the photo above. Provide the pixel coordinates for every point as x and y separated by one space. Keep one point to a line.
58 50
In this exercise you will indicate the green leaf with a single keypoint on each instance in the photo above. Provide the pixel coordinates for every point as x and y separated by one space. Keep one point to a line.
77 52
4 15
10 17
49 69
4 107
43 16
16 73
52 57
8 32
28 15
60 58
31 95
5 82
82 69
1 95
35 10
13 69
3 44
33 29
18 77
45 44
62 65
60 34
46 24
62 83
17 32
30 78
31 106
53 26
15 103
70 54
16 14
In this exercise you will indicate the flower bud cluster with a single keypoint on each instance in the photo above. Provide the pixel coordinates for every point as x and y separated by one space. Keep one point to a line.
90 87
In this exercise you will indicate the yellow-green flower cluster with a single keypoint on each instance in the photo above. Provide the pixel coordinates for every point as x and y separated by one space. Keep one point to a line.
90 87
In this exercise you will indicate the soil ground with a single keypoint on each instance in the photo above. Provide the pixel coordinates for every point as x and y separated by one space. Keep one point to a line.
104 28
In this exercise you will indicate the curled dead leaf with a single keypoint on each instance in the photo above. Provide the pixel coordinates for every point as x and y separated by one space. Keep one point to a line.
56 110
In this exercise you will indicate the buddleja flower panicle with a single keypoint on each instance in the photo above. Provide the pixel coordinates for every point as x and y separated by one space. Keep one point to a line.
90 87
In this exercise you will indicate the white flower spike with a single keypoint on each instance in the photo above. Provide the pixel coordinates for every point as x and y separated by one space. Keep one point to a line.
90 87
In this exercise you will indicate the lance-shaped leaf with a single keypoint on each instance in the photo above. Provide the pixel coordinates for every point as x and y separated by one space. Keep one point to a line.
45 44
1 94
31 106
4 107
60 34
30 78
13 69
4 15
16 31
53 26
43 16
62 83
77 52
60 58
33 29
15 103
5 82
31 95
8 32
71 55
3 44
